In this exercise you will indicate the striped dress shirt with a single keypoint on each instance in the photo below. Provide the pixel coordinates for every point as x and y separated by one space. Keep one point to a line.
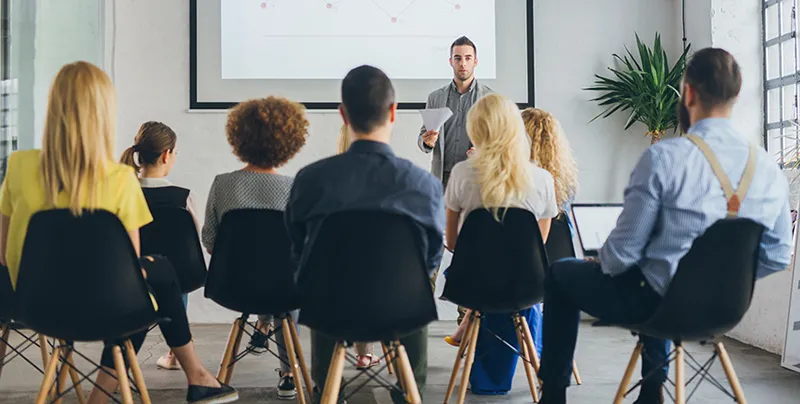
673 197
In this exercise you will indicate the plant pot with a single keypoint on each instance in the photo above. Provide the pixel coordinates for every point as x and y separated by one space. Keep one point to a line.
655 136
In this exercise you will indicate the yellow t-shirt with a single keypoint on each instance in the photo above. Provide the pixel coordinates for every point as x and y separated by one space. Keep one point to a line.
22 195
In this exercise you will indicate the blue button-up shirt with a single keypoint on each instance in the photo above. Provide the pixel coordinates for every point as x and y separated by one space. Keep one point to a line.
369 176
674 196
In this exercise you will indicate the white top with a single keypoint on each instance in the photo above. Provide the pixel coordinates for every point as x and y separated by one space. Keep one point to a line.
463 193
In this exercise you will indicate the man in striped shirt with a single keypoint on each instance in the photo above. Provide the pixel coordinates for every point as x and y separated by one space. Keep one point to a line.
675 193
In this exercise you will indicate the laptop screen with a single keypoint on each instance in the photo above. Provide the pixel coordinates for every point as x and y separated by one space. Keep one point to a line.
594 223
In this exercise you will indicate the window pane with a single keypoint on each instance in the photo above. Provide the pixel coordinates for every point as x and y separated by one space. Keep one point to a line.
774 144
772 22
789 59
786 16
789 102
773 105
773 62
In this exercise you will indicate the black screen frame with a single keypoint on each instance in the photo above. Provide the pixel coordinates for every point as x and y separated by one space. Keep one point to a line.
194 104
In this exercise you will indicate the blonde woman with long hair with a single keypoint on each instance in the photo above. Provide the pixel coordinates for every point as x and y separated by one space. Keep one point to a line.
550 150
75 169
497 175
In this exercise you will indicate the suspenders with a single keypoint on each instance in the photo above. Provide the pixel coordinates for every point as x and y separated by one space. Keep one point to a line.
734 197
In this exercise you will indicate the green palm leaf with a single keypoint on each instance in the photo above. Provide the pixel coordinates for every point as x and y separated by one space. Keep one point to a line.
645 88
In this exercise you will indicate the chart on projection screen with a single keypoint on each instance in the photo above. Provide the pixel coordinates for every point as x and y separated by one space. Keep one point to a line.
324 39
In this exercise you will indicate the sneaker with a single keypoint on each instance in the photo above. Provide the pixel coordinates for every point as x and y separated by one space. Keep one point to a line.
211 395
259 343
650 395
286 388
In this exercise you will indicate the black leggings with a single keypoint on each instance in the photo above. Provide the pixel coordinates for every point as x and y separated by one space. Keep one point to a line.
163 285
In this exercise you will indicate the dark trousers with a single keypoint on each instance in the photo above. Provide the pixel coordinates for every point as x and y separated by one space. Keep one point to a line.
416 347
576 285
163 283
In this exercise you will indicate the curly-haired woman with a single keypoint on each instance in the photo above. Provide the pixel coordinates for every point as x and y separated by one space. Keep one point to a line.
265 134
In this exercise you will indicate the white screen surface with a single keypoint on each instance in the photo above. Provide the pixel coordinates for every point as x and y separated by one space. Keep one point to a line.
324 39
302 68
595 223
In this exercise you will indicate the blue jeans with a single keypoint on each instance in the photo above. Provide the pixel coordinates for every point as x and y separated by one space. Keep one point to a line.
185 299
576 285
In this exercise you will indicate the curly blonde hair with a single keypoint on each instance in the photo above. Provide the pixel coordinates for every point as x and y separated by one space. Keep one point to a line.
550 149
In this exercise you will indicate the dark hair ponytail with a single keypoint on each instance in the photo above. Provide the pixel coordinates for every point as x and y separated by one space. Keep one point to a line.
153 139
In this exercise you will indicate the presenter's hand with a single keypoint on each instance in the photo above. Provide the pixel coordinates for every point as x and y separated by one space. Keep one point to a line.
430 137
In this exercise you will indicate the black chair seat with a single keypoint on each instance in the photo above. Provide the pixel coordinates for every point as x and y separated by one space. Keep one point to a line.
497 266
173 234
559 242
251 270
365 278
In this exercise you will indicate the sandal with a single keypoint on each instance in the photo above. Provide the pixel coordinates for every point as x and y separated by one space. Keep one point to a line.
372 361
452 341
166 362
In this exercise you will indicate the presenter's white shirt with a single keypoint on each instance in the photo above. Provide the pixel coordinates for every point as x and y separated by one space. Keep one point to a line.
463 194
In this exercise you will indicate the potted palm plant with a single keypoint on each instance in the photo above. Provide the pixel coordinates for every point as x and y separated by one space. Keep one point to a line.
646 89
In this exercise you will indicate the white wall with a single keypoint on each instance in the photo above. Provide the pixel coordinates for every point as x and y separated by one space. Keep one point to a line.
573 41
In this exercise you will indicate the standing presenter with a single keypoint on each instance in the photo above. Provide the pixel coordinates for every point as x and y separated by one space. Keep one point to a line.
452 144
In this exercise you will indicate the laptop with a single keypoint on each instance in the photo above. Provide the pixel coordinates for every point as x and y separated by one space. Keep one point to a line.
594 222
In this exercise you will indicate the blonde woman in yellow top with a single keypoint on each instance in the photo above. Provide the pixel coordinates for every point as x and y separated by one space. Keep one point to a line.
75 169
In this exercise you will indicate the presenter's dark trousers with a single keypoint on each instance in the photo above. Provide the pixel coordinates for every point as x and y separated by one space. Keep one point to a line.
576 285
416 348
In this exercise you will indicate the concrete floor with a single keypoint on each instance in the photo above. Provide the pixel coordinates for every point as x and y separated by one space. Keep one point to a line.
602 356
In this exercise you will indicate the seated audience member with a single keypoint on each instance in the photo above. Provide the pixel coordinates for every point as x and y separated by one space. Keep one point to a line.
365 355
154 148
264 134
673 197
499 174
368 176
550 150
76 170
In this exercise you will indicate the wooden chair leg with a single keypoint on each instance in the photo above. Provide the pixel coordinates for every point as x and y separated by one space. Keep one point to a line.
289 342
63 372
388 357
576 374
626 378
473 344
73 373
303 368
527 358
49 376
4 333
531 348
404 368
227 355
44 349
680 376
122 376
459 358
330 394
136 371
730 373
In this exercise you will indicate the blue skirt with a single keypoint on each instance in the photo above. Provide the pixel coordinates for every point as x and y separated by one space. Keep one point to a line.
495 363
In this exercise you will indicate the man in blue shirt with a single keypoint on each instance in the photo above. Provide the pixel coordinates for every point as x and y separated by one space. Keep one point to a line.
673 196
369 176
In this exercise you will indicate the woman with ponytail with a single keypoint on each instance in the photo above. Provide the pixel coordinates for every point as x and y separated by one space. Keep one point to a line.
497 175
152 157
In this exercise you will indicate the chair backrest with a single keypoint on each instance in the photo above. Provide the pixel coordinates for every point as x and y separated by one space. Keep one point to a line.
173 234
559 241
498 266
80 279
713 285
251 269
364 278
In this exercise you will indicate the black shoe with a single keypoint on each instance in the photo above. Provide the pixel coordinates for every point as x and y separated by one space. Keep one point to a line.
211 395
650 395
259 343
286 388
556 396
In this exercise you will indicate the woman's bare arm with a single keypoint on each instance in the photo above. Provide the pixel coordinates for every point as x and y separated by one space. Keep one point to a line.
544 228
451 229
